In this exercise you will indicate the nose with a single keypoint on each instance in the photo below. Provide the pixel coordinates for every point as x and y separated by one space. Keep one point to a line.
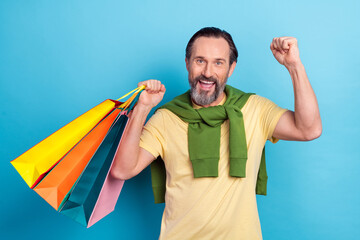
207 70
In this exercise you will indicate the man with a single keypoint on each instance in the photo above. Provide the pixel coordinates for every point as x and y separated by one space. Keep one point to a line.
212 170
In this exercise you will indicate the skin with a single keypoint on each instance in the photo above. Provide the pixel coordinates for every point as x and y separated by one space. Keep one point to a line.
210 58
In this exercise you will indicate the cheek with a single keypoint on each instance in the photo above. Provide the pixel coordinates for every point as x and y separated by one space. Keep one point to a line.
223 73
194 71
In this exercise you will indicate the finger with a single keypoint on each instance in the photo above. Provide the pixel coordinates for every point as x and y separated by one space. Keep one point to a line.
285 44
147 85
158 85
272 48
290 40
287 38
275 44
151 86
141 83
279 44
293 42
162 88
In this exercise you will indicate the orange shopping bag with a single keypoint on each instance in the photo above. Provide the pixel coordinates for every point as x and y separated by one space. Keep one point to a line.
58 182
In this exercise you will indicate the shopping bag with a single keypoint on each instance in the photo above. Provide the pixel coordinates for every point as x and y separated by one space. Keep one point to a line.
84 195
107 199
38 160
59 181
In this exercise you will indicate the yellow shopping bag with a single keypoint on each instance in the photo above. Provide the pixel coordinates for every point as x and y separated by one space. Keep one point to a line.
35 163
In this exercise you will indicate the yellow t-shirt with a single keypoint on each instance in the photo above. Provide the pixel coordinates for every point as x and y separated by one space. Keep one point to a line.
220 207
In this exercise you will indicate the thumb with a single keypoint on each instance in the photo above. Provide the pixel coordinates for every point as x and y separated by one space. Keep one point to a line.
141 83
162 88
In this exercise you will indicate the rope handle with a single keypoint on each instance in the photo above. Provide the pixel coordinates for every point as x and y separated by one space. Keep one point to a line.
135 92
138 89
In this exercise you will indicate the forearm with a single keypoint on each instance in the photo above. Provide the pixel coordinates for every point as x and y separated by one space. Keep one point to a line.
127 156
307 115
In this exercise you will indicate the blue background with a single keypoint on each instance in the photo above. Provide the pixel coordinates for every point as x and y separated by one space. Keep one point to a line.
58 59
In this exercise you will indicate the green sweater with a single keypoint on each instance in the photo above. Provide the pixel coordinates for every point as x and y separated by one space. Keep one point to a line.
204 126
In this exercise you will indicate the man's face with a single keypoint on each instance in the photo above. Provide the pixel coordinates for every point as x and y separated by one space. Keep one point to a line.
209 69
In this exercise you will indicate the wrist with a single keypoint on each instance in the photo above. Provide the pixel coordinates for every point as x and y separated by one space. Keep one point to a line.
143 108
295 67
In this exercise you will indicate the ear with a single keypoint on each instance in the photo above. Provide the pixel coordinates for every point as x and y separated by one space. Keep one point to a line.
231 70
187 63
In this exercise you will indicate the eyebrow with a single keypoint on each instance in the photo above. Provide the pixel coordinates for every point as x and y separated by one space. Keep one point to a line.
217 59
221 59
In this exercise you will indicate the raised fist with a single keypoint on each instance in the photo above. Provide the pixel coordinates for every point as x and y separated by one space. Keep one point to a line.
286 51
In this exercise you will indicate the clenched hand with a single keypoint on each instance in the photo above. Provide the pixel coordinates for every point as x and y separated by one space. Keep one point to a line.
286 51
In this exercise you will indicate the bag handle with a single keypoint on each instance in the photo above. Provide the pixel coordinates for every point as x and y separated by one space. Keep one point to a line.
138 89
134 93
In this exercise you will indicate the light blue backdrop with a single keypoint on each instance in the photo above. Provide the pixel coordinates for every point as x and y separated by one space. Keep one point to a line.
60 58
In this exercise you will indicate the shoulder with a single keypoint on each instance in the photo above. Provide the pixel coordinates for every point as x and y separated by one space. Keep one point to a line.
257 102
166 117
261 106
164 113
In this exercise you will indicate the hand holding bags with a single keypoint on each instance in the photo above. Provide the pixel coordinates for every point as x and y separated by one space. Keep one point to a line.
70 168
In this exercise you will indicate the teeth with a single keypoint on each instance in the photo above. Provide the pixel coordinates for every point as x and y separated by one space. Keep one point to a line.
206 82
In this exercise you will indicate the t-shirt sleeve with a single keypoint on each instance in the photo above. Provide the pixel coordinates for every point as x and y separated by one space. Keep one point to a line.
270 114
152 136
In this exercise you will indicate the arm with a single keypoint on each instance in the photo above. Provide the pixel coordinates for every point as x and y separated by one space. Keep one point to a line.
131 159
304 124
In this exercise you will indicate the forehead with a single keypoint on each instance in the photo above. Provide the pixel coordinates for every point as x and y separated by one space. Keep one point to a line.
211 47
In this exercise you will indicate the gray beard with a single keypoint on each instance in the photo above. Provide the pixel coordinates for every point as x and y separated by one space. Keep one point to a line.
201 98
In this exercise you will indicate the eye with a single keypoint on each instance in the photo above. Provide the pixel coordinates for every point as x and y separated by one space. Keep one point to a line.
200 61
218 63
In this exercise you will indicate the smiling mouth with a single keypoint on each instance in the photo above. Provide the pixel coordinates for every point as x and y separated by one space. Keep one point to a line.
205 84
